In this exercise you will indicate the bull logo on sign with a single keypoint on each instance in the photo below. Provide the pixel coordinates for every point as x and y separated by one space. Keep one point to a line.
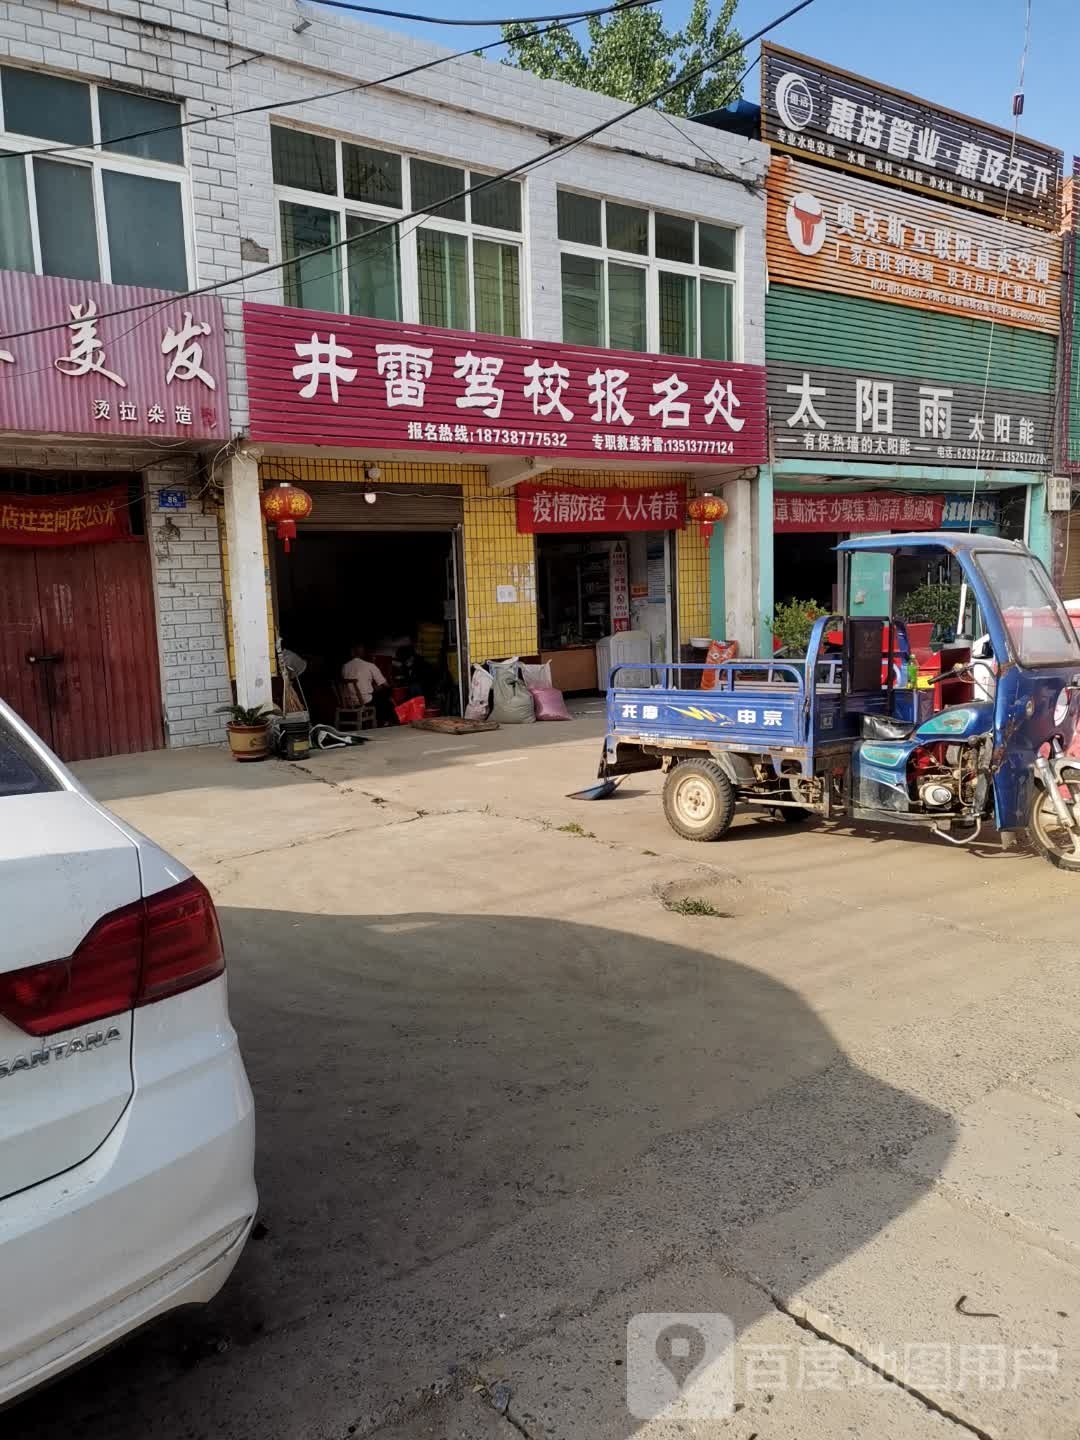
805 222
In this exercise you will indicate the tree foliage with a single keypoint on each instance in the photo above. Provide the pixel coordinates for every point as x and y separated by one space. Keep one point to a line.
632 54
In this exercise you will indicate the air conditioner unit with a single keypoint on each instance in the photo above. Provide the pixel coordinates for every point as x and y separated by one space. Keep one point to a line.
1059 493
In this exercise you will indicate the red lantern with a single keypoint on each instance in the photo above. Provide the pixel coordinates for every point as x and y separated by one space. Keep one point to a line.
707 510
283 505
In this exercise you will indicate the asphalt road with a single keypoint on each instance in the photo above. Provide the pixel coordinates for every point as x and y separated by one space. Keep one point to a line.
508 1100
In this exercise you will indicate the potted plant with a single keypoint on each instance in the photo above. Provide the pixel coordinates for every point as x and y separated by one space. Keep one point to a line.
792 623
936 607
248 730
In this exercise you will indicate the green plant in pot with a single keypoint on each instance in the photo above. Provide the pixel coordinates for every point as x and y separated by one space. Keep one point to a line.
937 605
792 623
248 730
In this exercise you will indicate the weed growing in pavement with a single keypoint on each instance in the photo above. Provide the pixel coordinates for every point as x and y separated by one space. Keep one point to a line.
691 906
573 828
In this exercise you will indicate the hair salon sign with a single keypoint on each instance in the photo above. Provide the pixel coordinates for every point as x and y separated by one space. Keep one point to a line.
320 379
69 366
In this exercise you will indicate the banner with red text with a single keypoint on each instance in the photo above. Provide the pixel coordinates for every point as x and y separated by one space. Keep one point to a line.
65 519
566 510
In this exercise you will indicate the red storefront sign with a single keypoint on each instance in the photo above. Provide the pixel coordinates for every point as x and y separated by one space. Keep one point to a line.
65 519
316 379
873 510
157 372
567 510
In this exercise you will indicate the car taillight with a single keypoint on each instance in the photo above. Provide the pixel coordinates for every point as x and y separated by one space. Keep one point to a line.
135 956
182 947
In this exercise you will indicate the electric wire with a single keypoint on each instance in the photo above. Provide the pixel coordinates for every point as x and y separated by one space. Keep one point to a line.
523 166
573 17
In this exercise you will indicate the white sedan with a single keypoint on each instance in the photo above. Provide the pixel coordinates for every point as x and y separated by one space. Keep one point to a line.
126 1119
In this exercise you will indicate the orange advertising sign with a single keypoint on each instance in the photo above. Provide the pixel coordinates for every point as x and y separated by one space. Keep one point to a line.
831 231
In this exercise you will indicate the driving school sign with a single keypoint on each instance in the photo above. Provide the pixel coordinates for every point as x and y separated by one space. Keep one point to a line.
343 380
569 510
851 123
832 232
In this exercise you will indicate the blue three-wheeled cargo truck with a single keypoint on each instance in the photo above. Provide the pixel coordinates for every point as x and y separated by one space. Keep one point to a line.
842 732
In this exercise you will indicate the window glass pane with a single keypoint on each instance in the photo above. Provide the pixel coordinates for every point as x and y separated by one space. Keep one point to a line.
674 238
497 287
579 219
65 207
123 114
304 161
1035 618
373 176
374 270
678 318
627 228
21 772
432 183
582 300
497 205
313 281
626 307
444 279
716 244
716 327
145 221
16 247
46 105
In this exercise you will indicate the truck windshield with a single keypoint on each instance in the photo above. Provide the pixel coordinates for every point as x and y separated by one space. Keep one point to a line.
1033 614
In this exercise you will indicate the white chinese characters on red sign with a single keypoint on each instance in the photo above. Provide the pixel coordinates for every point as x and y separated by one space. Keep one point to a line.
171 393
553 509
484 383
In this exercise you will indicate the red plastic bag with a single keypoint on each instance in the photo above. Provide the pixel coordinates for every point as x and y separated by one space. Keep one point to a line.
411 710
549 703
717 653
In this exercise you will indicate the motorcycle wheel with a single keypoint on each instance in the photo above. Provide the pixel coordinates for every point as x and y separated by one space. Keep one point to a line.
1048 836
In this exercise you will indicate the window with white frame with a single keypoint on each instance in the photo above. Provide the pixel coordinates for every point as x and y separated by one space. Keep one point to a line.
117 213
639 279
461 269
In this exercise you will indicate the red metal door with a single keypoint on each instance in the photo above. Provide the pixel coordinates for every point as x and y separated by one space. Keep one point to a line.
97 616
23 683
129 637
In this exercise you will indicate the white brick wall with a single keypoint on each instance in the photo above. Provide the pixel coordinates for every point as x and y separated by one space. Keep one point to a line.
186 558
482 112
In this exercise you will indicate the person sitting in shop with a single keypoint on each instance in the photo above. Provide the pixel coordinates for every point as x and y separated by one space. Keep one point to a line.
367 685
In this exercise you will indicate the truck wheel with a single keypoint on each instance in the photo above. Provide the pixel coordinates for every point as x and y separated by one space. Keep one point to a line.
699 800
1047 836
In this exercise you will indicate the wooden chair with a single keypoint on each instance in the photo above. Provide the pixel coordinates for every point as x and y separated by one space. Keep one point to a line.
351 714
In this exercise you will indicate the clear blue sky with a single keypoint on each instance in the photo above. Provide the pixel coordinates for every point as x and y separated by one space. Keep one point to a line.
960 53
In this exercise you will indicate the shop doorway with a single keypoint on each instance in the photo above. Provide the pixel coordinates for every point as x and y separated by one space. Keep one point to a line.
599 591
393 592
805 567
78 646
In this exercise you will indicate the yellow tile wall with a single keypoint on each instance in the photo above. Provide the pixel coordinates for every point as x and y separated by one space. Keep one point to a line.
495 554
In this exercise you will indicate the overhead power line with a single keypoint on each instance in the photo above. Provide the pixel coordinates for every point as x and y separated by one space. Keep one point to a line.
693 73
572 17
487 20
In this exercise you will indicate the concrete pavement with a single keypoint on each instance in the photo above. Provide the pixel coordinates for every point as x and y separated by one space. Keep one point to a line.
508 1100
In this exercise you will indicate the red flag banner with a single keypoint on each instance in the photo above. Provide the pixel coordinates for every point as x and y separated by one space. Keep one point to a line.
65 519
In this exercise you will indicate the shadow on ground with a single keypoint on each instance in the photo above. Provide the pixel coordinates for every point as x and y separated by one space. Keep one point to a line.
471 1127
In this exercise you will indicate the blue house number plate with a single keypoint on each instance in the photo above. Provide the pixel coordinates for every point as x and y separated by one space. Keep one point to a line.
172 500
